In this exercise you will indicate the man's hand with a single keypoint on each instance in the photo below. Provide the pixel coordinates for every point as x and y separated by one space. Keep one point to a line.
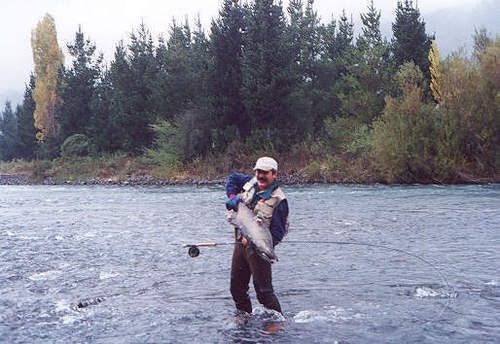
232 202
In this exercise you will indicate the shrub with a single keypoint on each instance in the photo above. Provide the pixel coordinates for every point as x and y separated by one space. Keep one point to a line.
348 135
404 136
164 152
75 145
40 168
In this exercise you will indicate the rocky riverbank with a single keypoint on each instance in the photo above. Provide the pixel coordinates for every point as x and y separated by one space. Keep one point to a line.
6 179
134 181
143 180
126 171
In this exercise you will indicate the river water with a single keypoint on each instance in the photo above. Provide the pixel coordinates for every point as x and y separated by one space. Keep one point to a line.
105 265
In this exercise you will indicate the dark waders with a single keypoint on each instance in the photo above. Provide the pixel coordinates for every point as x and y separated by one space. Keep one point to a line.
246 262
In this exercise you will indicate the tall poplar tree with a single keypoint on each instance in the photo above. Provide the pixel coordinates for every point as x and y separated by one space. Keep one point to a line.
435 85
47 58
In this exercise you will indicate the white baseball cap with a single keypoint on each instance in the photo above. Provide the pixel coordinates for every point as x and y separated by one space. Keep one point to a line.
266 164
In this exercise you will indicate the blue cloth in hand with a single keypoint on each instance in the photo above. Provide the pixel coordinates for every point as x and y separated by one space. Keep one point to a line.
232 204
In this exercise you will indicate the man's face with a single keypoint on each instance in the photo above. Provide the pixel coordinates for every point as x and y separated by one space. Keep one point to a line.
265 178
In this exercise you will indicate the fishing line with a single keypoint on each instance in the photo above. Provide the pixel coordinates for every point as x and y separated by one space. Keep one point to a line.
432 265
194 252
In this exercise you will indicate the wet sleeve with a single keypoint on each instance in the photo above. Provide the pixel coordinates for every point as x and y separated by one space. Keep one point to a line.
235 182
278 222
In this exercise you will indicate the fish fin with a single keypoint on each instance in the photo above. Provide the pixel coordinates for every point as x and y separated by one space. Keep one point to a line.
264 256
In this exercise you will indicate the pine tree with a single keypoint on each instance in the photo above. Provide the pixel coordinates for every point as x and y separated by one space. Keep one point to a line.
304 38
345 36
104 130
8 133
266 63
327 37
125 105
200 64
26 123
195 123
367 77
113 109
143 73
178 81
410 42
226 75
78 87
371 37
48 58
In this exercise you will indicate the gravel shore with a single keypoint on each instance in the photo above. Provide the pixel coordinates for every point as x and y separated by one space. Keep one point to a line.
136 180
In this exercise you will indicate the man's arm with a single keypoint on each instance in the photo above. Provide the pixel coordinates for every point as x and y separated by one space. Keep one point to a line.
278 222
235 183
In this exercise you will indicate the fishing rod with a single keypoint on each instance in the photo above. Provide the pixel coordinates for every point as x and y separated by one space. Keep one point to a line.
194 251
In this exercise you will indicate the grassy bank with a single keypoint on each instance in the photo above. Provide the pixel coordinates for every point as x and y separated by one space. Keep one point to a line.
297 167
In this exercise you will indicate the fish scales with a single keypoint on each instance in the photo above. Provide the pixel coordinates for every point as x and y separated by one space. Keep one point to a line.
259 236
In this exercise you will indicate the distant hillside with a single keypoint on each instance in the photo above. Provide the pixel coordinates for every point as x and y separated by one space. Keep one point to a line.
454 27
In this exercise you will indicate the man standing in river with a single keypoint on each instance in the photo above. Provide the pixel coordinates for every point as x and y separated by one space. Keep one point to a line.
265 198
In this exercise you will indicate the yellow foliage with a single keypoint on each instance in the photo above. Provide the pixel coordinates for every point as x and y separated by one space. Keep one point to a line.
47 58
435 85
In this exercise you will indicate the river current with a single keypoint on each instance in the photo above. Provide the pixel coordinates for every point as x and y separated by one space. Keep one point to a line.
415 264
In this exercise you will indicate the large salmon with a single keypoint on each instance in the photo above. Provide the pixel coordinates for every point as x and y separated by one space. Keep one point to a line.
259 236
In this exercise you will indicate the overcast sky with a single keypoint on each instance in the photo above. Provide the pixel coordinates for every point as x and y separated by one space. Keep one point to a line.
107 21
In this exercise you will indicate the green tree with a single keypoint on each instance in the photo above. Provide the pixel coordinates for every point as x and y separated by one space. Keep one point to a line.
410 41
337 53
78 87
104 126
268 80
112 110
304 38
26 123
177 78
47 58
143 73
8 133
127 109
200 64
367 76
226 78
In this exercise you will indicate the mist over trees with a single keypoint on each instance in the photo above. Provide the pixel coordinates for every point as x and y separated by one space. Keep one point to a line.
267 77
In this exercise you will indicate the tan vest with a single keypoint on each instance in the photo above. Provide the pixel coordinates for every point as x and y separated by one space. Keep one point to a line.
264 209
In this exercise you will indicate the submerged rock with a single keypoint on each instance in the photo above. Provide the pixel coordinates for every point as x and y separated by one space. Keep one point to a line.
89 302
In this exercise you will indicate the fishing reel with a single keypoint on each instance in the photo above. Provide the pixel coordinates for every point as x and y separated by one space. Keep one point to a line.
193 251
